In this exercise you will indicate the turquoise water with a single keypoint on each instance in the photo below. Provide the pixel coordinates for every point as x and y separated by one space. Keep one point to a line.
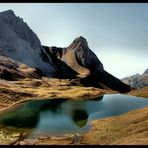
62 116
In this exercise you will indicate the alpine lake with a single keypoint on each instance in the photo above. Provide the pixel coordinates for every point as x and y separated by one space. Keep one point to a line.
58 116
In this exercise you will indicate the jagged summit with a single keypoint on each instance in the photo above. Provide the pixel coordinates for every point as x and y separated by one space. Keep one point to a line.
20 28
9 12
81 39
8 16
84 55
79 42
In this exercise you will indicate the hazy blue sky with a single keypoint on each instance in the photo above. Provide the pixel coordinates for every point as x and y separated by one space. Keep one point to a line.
117 33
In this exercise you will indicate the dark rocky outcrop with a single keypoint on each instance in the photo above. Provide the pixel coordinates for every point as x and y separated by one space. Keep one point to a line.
63 71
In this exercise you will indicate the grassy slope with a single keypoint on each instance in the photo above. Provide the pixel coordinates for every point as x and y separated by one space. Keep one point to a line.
16 91
130 128
143 92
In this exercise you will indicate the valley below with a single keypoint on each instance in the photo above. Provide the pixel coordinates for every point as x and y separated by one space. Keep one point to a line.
128 128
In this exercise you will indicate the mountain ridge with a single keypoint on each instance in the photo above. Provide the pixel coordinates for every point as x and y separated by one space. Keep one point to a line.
77 61
89 69
137 81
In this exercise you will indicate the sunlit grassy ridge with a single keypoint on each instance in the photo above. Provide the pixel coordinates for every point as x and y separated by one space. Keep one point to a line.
16 91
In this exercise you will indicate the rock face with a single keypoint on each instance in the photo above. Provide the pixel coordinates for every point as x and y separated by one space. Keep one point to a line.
137 80
22 55
62 69
79 58
21 44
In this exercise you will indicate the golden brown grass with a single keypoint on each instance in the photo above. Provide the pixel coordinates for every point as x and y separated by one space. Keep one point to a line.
17 91
143 92
127 129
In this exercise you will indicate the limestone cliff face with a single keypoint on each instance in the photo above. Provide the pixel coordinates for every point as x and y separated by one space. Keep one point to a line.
21 44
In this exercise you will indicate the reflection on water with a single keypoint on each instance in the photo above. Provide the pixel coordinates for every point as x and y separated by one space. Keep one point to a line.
24 117
52 105
59 116
79 117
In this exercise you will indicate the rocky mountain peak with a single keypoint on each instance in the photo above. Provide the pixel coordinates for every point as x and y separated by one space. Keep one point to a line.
20 28
8 17
79 42
8 12
81 39
20 43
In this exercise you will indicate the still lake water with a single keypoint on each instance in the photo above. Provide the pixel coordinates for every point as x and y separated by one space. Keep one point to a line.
63 116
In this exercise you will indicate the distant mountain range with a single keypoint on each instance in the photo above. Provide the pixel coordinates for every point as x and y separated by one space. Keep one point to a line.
137 80
22 55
